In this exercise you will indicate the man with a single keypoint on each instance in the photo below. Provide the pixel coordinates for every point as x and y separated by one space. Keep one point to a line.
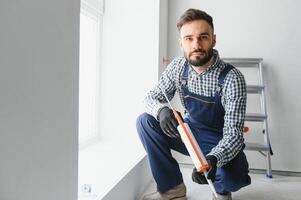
213 94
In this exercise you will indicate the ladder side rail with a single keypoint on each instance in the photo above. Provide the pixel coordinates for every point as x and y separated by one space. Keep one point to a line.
263 105
265 122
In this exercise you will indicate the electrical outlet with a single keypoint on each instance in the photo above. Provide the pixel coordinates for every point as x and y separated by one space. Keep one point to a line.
86 188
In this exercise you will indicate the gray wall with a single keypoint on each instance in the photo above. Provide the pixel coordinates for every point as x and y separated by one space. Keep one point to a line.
269 29
39 99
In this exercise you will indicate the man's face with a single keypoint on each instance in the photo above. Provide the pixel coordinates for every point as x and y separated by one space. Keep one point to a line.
197 41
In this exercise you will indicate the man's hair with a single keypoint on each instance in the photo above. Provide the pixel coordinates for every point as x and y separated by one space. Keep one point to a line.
194 14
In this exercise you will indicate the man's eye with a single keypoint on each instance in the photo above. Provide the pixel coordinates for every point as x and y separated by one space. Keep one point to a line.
204 37
188 39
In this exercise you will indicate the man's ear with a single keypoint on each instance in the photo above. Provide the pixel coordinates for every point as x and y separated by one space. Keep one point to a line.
214 40
180 44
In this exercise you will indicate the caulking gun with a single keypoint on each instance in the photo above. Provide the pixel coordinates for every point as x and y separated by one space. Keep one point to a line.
192 146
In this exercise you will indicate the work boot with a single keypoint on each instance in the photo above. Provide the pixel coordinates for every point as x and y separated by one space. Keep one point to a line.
176 193
223 197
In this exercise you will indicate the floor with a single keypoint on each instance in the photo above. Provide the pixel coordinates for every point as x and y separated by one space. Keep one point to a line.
262 188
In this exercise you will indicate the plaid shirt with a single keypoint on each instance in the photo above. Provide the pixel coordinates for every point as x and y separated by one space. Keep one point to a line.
233 100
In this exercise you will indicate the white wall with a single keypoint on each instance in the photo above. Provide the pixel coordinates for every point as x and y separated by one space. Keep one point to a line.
269 29
39 99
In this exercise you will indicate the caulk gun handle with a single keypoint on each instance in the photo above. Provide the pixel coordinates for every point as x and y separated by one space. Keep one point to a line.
178 116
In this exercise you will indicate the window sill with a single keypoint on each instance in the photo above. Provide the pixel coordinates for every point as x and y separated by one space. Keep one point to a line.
103 164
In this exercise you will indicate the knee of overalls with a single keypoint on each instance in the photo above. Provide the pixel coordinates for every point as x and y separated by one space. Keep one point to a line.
233 178
146 122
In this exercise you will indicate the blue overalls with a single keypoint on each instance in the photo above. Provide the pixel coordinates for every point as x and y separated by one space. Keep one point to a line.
206 120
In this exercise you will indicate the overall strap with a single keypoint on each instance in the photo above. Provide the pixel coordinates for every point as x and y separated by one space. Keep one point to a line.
222 77
184 77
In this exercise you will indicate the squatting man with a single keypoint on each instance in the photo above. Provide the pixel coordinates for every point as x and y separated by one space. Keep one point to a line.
213 94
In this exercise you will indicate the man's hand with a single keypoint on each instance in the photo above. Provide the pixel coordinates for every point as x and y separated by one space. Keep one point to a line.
212 161
168 122
198 177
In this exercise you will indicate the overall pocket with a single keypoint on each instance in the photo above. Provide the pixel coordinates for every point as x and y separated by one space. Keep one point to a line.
201 109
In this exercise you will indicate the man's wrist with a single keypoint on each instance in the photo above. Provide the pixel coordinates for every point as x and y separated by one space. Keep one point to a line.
212 160
159 111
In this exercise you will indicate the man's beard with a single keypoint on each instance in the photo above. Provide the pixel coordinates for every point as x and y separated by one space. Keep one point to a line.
200 62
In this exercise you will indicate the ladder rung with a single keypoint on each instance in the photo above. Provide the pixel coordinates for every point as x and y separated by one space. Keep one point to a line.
255 117
243 61
254 89
256 147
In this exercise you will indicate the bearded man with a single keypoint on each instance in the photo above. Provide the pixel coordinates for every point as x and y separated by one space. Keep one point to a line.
213 94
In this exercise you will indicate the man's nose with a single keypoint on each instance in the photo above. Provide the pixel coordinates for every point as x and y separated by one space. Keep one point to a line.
196 44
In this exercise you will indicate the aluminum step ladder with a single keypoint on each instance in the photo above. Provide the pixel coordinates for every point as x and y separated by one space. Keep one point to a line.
263 148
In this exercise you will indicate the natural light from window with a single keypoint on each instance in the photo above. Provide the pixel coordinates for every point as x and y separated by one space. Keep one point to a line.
90 35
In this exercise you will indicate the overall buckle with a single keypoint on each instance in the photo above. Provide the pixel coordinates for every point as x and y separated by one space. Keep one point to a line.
219 89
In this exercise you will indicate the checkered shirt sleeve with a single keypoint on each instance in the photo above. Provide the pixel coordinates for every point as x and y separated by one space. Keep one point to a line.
234 102
155 99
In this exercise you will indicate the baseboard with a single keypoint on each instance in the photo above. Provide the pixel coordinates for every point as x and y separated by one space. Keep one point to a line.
133 184
276 172
255 171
